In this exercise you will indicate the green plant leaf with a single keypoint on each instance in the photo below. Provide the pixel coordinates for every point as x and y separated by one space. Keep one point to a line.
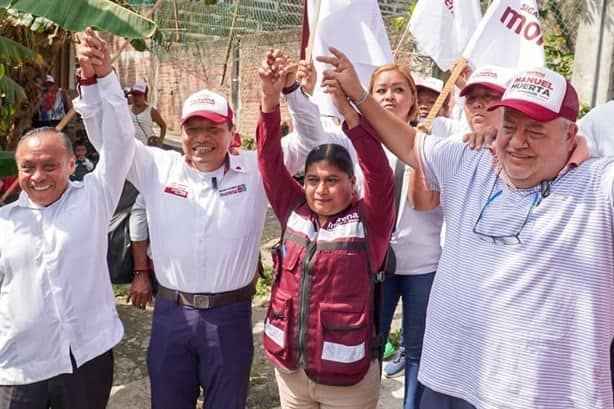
1 71
77 15
12 51
8 166
11 93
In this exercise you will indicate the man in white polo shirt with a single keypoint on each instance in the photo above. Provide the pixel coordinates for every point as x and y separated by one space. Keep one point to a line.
521 313
58 321
205 214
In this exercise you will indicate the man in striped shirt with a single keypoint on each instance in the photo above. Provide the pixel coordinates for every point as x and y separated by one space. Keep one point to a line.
521 310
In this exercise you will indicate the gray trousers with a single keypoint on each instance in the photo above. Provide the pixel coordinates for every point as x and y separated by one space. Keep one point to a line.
88 387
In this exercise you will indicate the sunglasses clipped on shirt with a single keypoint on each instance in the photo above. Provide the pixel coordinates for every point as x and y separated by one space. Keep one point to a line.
510 238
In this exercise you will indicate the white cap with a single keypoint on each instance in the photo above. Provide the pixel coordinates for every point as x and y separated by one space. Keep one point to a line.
490 76
49 78
208 105
430 83
139 89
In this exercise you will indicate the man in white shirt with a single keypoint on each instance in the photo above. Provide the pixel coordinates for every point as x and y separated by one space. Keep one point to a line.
58 320
596 127
205 213
522 308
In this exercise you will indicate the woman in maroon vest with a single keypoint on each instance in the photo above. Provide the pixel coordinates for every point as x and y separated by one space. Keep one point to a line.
320 331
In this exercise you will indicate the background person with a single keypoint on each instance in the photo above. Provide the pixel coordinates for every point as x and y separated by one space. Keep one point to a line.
53 105
144 116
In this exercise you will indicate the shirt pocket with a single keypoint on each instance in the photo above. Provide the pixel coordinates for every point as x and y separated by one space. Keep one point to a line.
277 326
343 347
235 217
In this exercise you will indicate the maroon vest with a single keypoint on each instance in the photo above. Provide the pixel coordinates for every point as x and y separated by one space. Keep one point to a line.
321 316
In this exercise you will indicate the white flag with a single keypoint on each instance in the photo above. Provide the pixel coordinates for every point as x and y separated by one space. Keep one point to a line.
509 35
442 28
356 28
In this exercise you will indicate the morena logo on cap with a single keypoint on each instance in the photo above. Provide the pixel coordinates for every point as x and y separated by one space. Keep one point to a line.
209 105
492 77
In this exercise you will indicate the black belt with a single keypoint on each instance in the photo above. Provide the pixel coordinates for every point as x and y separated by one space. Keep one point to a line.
206 301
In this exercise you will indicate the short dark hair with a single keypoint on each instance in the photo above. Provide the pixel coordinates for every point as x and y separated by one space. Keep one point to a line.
335 154
49 129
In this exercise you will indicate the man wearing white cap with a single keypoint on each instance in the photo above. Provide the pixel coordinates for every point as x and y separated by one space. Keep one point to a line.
521 313
205 213
429 89
53 105
484 87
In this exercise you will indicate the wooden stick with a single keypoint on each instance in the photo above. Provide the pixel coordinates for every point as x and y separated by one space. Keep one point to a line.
396 51
458 68
313 25
230 37
176 20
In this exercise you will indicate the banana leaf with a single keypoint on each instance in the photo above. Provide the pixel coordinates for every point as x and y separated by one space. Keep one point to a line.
8 166
77 15
12 51
11 93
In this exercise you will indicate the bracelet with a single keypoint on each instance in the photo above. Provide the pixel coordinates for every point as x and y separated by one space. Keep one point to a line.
361 98
291 88
139 271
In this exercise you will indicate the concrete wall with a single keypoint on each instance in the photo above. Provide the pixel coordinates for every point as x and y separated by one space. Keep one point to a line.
593 74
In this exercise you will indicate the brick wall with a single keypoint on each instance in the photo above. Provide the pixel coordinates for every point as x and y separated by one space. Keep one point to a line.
183 70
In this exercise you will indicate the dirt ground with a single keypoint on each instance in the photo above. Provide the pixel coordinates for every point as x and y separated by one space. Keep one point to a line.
131 385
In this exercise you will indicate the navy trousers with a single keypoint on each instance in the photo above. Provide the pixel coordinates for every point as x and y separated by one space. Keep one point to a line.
436 400
192 348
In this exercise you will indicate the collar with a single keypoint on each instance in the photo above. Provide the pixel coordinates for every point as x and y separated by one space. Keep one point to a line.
579 154
24 200
233 162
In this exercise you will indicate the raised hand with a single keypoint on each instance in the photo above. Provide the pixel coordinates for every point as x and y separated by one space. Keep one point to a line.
343 71
306 76
272 73
93 55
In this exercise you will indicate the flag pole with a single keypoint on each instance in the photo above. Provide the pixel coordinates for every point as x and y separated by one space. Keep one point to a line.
312 31
458 69
401 39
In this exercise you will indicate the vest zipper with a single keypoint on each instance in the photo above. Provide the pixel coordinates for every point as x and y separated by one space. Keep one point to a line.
304 296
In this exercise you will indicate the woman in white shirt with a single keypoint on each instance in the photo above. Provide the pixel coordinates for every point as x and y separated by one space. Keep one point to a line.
144 115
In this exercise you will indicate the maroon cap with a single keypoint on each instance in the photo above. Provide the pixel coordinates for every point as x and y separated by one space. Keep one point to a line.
541 94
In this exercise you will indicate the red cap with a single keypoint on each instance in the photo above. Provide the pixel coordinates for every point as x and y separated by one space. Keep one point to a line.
490 76
541 94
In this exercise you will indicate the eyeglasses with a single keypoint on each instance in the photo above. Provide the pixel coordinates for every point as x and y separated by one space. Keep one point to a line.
506 239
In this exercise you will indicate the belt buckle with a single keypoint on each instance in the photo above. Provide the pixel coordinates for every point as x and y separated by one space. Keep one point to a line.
202 301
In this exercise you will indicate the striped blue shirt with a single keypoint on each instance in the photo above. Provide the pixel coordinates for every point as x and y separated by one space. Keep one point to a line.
526 325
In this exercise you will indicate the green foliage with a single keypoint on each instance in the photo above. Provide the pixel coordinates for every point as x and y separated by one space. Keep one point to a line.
558 57
8 166
248 142
77 15
263 287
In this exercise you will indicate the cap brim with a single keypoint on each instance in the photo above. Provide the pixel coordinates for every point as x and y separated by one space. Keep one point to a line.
437 91
211 116
137 93
488 85
530 109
